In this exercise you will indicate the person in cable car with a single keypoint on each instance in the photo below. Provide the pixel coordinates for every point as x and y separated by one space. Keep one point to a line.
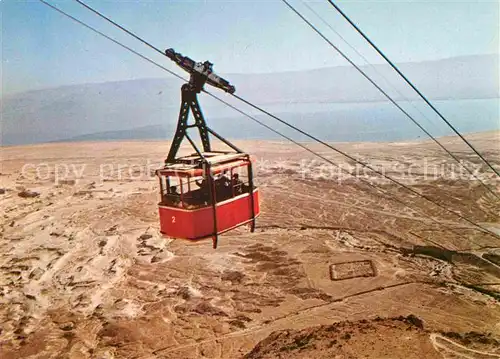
175 197
203 194
223 187
223 180
237 184
203 184
172 198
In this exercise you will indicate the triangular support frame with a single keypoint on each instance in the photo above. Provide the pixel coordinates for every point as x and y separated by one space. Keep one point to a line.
189 103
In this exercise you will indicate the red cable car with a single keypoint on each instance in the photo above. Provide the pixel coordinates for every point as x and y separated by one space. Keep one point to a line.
209 192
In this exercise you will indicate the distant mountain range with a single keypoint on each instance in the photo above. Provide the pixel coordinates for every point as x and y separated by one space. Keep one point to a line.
321 99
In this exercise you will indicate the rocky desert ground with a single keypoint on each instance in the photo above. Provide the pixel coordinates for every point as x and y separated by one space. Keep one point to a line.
335 268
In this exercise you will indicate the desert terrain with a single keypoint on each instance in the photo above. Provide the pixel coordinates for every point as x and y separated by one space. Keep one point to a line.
335 268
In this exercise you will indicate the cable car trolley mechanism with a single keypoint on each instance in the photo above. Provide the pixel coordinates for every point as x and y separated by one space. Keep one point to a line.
208 192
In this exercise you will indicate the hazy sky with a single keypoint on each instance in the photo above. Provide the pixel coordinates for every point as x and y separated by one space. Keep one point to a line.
41 48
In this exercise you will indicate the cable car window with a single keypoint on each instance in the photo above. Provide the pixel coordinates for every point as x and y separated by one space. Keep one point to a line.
171 195
197 193
240 181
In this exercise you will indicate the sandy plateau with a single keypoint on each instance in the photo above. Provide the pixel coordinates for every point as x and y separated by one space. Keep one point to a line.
335 269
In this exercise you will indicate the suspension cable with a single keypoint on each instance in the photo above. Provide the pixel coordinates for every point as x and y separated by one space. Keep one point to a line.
120 27
390 84
113 40
378 189
381 53
388 97
291 126
373 67
366 165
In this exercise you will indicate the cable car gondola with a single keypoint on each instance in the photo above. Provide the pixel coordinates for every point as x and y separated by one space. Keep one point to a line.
208 192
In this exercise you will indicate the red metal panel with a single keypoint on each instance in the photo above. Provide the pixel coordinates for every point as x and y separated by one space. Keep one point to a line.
231 213
194 224
176 222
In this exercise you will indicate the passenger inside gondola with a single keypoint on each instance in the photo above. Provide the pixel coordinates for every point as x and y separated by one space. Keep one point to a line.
202 194
237 184
223 187
172 197
194 192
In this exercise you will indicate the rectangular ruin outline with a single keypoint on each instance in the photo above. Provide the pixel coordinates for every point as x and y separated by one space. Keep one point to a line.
369 261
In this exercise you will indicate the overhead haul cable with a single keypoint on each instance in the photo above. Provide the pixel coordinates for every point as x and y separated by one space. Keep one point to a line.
364 164
387 96
368 63
113 40
378 189
381 53
289 125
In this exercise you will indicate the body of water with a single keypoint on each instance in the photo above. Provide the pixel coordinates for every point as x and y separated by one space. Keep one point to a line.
367 121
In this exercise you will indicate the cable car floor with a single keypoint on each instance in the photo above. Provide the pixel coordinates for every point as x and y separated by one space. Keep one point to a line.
86 273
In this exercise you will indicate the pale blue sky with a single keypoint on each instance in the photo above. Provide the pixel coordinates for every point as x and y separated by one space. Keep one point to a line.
42 49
